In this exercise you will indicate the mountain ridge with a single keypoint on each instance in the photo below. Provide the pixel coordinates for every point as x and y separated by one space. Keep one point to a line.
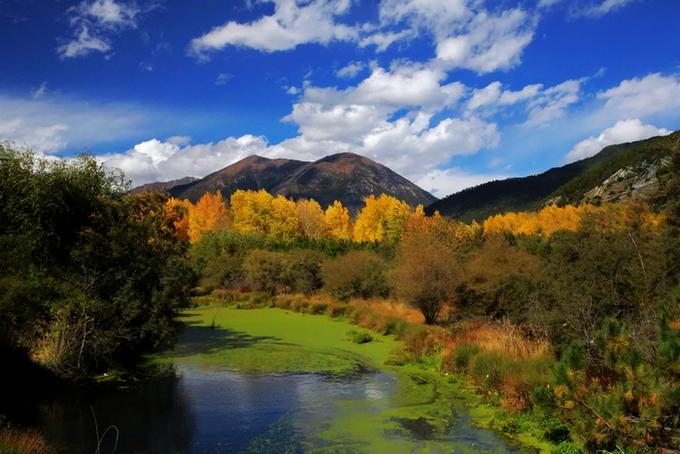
346 177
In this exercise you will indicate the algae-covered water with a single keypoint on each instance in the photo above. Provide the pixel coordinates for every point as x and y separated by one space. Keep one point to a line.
270 381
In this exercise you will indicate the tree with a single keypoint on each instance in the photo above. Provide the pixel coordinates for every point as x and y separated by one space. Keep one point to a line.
425 274
337 222
90 276
259 212
381 219
210 213
311 219
357 274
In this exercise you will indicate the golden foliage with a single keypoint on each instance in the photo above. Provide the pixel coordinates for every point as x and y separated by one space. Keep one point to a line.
337 222
210 213
260 212
381 219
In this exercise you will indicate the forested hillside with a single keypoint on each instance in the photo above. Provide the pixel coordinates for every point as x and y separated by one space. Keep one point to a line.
564 185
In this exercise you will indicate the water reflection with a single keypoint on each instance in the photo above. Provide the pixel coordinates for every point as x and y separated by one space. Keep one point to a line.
196 410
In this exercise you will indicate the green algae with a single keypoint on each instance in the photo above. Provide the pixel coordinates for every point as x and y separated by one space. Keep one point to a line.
427 412
274 341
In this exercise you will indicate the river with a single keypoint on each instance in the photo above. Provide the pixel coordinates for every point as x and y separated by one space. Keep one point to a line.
198 402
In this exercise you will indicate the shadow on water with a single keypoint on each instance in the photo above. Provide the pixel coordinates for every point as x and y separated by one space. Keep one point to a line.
152 416
199 339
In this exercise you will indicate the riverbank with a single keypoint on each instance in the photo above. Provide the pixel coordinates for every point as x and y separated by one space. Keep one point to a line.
424 410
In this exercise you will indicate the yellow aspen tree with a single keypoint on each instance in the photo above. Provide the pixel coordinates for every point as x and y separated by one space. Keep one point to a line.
209 213
284 219
250 211
381 219
337 221
311 219
261 212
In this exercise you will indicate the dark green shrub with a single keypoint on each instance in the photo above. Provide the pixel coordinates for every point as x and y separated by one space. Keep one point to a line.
359 337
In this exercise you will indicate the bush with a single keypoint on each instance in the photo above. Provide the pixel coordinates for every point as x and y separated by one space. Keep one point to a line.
302 273
462 355
265 270
338 310
223 272
359 337
567 447
318 308
358 274
298 304
283 302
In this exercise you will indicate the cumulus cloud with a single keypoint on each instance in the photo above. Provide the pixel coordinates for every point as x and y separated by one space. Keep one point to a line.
641 96
154 160
94 24
293 23
623 131
553 102
443 182
389 116
488 43
465 34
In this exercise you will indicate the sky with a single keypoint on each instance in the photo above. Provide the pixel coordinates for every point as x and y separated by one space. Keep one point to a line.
448 93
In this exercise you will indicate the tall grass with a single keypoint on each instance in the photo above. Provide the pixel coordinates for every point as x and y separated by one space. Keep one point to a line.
15 440
505 361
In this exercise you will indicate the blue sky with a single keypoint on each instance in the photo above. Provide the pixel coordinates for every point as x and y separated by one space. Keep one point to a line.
449 93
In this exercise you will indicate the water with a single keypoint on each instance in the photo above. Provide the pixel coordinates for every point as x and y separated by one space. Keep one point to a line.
195 410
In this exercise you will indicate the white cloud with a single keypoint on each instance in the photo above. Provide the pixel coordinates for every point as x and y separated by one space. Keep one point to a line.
605 7
641 96
83 45
179 140
465 34
154 160
441 183
383 40
488 43
351 70
553 102
623 131
94 23
293 23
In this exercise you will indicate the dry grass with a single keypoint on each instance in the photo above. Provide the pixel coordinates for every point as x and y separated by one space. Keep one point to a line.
391 308
505 338
23 441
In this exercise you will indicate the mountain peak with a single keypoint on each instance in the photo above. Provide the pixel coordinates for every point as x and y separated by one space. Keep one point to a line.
347 177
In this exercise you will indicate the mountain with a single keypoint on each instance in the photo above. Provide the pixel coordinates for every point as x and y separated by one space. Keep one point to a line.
562 185
346 177
163 186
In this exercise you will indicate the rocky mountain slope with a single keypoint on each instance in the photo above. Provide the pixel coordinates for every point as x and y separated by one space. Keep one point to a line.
346 177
